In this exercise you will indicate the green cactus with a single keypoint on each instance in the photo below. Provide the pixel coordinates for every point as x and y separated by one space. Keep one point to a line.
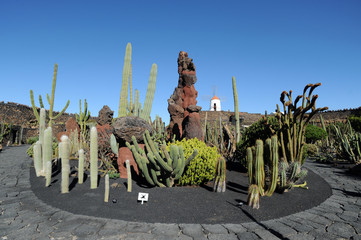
50 101
159 167
114 145
137 105
273 146
83 117
220 180
93 158
65 166
253 196
236 110
48 153
259 167
131 105
81 167
123 101
250 164
150 93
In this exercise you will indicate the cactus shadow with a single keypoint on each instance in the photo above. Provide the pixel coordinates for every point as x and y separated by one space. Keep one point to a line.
73 183
238 188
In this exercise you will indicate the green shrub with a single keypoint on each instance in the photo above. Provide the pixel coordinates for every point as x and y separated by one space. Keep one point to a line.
258 130
202 168
314 133
355 122
32 140
310 149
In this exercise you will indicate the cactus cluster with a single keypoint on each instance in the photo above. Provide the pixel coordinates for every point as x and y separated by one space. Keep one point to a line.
220 179
293 120
158 166
236 110
130 108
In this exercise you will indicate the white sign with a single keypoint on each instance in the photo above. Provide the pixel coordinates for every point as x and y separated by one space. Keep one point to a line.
143 197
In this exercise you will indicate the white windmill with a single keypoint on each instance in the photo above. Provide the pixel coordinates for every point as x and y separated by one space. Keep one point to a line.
215 102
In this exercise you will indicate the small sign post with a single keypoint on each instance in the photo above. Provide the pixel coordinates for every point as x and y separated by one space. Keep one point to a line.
143 197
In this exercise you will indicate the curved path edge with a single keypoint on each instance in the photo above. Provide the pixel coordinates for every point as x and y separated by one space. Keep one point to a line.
24 216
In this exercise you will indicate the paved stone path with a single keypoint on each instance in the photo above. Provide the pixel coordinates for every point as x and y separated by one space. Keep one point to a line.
24 216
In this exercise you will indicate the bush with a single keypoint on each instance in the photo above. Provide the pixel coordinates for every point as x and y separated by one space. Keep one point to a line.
258 130
314 133
32 140
202 168
355 122
310 150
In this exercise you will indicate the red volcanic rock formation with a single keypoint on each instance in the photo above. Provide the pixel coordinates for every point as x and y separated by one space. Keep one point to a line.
184 114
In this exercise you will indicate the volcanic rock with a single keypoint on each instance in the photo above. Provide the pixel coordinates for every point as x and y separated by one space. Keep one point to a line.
105 115
126 127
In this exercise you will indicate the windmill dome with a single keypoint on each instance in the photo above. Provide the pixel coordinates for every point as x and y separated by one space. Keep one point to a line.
215 104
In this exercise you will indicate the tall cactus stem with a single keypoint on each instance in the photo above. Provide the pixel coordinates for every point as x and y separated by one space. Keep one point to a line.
37 158
123 101
129 175
106 192
236 110
93 158
48 152
81 167
65 167
41 138
150 93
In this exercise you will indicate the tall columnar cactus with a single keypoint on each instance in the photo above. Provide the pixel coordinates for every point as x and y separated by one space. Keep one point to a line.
65 166
250 164
221 133
93 158
273 165
81 167
50 101
131 105
37 158
236 110
137 105
106 192
41 138
123 102
160 167
129 176
83 117
48 153
259 167
293 121
150 93
220 180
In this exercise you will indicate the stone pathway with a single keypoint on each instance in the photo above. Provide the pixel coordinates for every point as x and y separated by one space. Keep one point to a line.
24 216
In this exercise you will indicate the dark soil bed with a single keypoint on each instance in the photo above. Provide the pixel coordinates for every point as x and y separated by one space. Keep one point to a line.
179 204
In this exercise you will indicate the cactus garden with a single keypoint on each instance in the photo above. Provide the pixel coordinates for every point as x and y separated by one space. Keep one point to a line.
195 169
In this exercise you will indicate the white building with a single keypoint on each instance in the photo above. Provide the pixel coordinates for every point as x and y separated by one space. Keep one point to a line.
215 104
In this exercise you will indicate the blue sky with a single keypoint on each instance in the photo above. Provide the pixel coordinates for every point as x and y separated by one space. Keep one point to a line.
269 46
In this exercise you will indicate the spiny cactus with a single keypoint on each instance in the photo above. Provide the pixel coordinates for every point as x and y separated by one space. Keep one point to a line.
93 158
37 158
150 93
123 101
129 176
83 117
236 110
293 120
253 196
159 167
273 147
81 167
65 166
220 180
50 101
48 153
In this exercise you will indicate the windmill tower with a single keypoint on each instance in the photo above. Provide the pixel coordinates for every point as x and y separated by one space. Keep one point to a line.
215 104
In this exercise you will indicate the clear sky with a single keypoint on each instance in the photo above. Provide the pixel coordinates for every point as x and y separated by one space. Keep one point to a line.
269 46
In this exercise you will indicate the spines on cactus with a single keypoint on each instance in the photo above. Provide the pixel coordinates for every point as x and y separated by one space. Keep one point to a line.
93 158
274 166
